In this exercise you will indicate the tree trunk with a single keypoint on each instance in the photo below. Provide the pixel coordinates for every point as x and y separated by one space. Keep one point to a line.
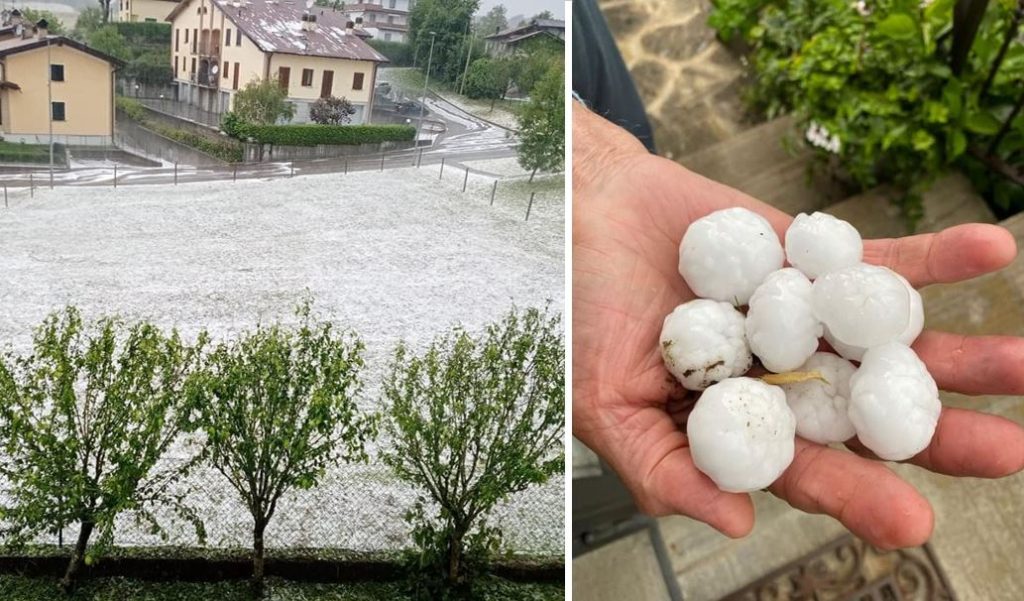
533 174
455 567
257 557
77 557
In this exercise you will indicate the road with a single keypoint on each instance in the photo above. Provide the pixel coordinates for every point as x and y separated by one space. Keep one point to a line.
468 138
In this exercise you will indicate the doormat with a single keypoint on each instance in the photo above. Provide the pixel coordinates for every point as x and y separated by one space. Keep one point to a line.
848 569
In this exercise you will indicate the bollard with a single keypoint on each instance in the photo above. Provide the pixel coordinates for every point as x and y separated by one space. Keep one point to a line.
51 179
419 159
465 180
382 161
234 172
31 186
175 173
346 166
440 177
115 175
529 206
5 196
293 169
493 190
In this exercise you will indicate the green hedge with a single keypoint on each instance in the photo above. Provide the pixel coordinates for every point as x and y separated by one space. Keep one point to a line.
313 134
11 152
145 32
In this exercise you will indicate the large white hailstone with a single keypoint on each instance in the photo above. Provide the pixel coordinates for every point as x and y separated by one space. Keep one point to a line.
821 406
703 342
819 243
727 254
741 434
894 402
781 327
863 306
909 334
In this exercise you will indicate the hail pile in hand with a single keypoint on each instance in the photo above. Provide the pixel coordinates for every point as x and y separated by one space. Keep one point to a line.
742 430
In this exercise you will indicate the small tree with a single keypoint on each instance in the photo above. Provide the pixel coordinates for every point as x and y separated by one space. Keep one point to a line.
278 409
472 420
331 111
83 422
53 24
108 39
487 78
542 125
263 102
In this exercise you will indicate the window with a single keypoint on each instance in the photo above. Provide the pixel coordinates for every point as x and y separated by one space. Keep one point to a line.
357 81
284 76
186 36
234 83
391 18
56 72
225 69
195 38
227 37
57 111
177 36
238 37
392 4
175 65
387 36
373 17
150 20
307 77
193 65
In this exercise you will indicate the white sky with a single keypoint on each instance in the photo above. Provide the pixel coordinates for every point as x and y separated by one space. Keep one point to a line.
526 8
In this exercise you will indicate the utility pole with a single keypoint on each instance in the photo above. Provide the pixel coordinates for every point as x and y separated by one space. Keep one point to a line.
49 97
469 53
426 80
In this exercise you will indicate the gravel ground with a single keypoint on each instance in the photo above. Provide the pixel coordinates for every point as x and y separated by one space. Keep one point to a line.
395 256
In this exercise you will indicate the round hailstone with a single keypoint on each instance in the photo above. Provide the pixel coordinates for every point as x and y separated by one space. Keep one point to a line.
781 327
819 243
864 305
907 336
741 434
821 407
727 254
894 402
702 342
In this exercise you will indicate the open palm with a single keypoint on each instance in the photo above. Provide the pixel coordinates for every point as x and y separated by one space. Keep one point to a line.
630 211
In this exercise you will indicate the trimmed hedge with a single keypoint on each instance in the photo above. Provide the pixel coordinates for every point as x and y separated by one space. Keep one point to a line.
313 134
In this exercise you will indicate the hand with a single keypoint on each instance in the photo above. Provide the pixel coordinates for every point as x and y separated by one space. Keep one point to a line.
630 210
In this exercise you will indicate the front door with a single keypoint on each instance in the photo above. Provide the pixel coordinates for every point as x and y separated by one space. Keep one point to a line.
328 83
283 75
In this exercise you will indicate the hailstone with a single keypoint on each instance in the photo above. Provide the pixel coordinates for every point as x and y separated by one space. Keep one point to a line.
909 334
894 402
702 342
863 306
781 327
741 434
821 406
727 254
819 243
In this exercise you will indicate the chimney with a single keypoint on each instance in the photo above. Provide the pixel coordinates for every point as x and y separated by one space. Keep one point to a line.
42 29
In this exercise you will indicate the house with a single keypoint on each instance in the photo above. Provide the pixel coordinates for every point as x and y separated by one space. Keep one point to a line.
386 20
218 46
507 42
153 11
47 77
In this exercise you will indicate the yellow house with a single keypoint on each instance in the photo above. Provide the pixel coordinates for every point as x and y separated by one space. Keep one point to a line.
218 46
145 10
45 76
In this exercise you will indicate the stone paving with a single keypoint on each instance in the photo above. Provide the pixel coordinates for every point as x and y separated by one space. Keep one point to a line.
688 80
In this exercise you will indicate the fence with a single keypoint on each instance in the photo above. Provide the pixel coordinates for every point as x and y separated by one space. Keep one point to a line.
183 110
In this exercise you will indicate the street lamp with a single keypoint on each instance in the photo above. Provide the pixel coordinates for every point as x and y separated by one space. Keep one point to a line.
49 98
426 80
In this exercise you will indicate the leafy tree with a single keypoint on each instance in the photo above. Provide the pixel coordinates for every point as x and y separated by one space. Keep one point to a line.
108 40
542 124
89 20
495 20
84 420
105 10
263 102
472 420
450 21
332 111
545 14
54 25
487 78
278 408
534 59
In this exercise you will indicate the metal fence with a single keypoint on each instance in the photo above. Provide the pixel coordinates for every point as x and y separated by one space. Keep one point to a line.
183 110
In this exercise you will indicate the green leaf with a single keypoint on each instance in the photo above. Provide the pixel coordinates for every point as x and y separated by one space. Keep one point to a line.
922 140
982 122
956 144
898 26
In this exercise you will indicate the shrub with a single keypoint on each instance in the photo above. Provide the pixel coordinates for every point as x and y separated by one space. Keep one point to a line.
263 102
83 421
225 150
331 111
542 124
487 78
399 53
472 420
871 83
313 134
278 408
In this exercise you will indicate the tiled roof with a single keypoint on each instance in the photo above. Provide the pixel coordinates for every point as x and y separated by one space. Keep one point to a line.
528 26
277 26
18 44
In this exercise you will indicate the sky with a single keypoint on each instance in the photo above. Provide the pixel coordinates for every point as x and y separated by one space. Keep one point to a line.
526 7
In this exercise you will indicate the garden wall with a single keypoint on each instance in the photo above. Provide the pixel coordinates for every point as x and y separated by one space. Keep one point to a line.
257 153
132 136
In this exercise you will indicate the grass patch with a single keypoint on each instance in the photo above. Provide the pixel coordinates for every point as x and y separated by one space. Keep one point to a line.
225 150
15 152
21 588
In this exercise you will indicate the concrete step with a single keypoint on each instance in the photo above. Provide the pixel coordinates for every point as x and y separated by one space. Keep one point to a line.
758 162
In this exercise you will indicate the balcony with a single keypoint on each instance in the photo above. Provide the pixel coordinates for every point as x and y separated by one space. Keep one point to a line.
208 75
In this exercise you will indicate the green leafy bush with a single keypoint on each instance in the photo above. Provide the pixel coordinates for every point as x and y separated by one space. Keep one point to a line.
145 32
871 83
542 124
225 150
399 53
472 420
84 419
313 134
